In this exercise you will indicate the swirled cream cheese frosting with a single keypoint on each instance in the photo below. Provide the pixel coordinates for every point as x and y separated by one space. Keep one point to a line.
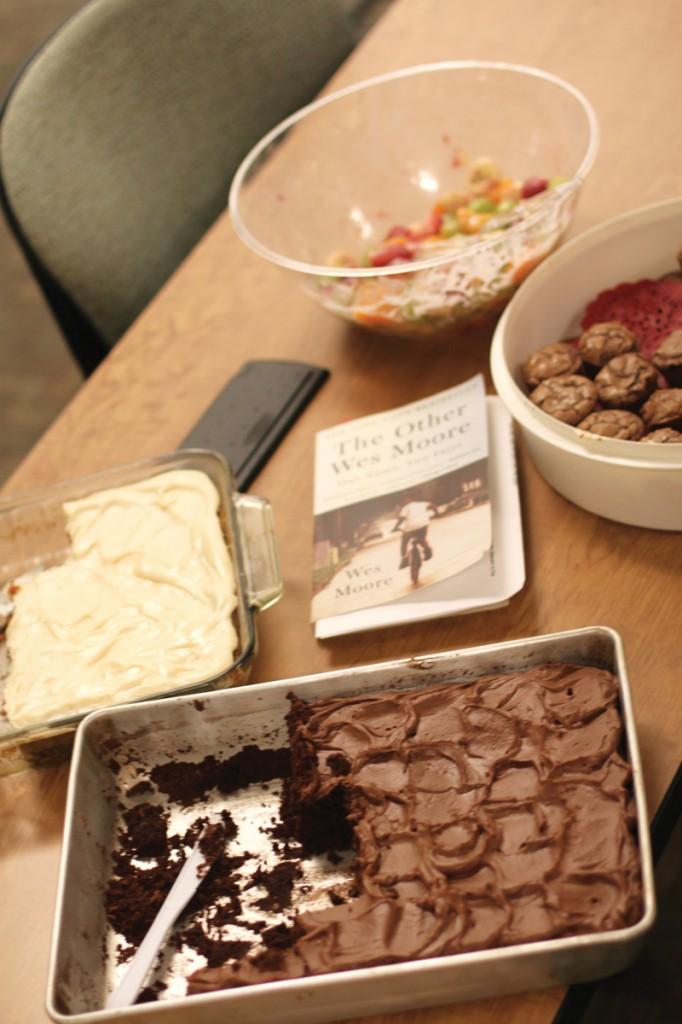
142 605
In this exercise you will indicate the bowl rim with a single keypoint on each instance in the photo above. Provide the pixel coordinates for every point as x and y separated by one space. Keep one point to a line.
571 439
561 191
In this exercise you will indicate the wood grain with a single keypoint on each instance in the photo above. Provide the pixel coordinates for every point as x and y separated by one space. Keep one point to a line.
224 305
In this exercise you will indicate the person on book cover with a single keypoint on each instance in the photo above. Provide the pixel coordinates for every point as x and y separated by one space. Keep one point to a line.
413 520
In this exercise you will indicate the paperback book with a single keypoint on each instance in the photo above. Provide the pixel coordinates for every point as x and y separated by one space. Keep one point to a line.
417 513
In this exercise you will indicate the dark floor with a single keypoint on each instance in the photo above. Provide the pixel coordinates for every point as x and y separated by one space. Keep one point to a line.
38 374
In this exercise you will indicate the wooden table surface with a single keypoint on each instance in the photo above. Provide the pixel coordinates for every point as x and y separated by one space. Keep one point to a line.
225 305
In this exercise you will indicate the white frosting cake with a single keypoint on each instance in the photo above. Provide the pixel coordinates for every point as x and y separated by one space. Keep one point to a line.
142 605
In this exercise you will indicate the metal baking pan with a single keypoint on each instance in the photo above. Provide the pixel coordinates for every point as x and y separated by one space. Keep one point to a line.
33 537
81 974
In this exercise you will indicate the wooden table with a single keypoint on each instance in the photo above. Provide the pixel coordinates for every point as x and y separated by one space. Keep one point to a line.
225 305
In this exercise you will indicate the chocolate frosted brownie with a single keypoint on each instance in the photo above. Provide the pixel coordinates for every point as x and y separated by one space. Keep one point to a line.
550 361
618 423
601 342
626 381
569 398
663 436
668 359
482 814
663 409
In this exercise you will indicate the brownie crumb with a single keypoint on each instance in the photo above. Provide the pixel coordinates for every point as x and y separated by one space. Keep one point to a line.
325 828
124 953
143 786
278 884
216 951
220 882
280 936
133 900
147 995
212 842
185 782
151 993
338 764
228 825
146 831
223 914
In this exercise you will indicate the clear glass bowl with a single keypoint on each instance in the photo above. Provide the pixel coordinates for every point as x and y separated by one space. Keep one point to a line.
380 153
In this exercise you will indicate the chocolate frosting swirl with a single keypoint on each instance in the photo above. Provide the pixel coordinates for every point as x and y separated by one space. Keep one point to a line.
483 814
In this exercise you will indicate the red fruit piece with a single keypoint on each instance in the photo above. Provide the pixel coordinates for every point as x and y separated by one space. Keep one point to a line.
391 254
650 309
430 227
399 231
435 222
533 186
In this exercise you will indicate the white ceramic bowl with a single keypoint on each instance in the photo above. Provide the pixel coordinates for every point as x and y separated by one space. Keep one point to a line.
639 484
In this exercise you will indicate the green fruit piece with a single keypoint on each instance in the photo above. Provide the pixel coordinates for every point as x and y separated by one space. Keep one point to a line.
506 205
482 205
448 226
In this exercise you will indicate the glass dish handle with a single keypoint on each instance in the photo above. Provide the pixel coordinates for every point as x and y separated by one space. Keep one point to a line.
259 549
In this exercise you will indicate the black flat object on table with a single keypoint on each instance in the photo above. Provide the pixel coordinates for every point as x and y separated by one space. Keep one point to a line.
253 413
650 990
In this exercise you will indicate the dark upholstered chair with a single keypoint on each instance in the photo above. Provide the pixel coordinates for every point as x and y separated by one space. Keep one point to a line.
119 138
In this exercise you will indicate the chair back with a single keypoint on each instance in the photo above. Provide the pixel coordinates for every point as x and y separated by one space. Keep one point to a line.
120 137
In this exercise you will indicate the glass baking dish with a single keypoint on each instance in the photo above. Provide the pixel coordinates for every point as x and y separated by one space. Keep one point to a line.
33 537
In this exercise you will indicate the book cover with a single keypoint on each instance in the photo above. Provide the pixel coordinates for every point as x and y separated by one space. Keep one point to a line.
404 523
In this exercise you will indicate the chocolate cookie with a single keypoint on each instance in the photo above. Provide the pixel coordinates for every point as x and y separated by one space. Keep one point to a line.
668 359
550 361
626 381
663 436
569 398
618 423
602 342
663 409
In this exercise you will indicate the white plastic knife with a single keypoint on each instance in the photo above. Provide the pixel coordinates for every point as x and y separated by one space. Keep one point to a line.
191 875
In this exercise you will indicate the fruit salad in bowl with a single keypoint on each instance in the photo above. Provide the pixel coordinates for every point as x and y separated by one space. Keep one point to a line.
468 227
415 203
